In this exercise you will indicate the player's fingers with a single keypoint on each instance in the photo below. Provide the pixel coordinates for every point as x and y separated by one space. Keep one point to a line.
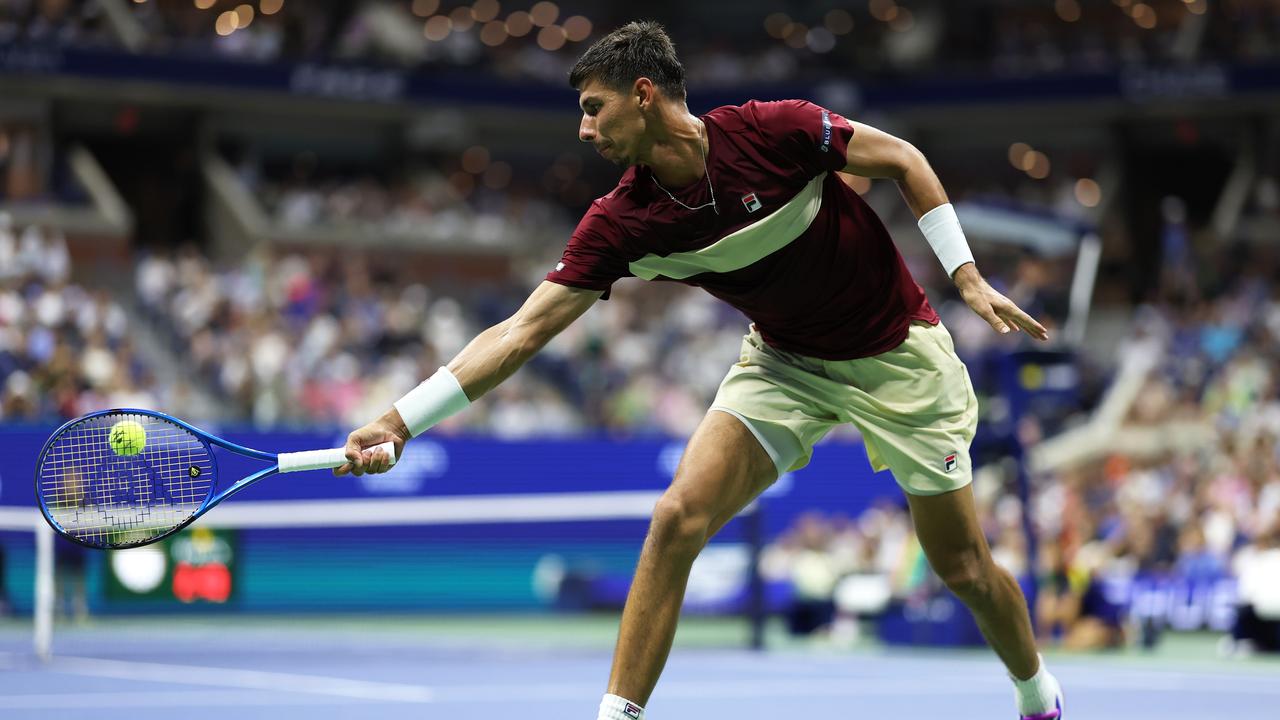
993 319
1022 321
375 461
1033 328
355 458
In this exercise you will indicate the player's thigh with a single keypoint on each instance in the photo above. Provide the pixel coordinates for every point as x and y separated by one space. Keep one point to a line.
724 468
951 535
916 410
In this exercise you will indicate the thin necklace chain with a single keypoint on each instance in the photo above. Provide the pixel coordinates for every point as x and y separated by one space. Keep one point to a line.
705 172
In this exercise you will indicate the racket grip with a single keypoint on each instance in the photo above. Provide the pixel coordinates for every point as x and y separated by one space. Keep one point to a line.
324 459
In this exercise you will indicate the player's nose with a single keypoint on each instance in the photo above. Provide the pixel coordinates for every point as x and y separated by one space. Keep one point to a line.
587 129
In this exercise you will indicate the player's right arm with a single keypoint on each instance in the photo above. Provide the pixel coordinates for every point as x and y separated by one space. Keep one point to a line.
490 358
499 351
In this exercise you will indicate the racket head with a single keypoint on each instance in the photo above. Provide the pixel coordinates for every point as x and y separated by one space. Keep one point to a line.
152 481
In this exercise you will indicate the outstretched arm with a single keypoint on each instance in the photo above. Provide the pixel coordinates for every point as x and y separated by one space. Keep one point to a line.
876 154
493 356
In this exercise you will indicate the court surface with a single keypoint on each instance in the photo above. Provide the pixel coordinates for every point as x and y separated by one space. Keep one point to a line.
555 667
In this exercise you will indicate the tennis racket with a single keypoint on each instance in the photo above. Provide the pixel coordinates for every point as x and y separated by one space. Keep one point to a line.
123 478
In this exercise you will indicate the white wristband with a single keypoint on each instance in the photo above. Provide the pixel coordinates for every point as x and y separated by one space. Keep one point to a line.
942 229
435 399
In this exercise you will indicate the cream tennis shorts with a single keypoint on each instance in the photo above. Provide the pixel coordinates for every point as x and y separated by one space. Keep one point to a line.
914 406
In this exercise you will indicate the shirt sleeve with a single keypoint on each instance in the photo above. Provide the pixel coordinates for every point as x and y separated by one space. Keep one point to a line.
811 136
590 260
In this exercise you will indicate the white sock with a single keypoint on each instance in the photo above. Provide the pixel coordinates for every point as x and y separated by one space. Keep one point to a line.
1038 694
613 707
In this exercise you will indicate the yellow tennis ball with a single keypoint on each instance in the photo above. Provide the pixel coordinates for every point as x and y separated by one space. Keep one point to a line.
127 438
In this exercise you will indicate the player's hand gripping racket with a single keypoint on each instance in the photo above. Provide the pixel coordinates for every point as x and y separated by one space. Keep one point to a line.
123 478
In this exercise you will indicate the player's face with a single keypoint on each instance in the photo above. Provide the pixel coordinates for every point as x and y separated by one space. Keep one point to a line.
611 121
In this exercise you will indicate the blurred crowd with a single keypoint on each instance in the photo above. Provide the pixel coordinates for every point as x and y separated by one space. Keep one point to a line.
61 22
1196 511
469 197
311 339
760 43
65 349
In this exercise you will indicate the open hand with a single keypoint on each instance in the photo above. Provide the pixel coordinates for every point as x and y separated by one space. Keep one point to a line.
999 311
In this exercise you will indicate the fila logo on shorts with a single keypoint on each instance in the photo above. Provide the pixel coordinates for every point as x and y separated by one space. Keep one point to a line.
631 711
949 462
751 201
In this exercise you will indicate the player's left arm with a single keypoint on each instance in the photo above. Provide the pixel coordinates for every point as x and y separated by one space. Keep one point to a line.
876 154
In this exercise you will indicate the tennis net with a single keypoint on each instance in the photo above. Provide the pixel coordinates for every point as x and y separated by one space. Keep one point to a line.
523 553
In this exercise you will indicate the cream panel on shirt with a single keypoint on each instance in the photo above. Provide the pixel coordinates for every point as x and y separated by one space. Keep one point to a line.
744 247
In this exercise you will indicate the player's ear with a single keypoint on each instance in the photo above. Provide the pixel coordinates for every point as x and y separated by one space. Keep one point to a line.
643 91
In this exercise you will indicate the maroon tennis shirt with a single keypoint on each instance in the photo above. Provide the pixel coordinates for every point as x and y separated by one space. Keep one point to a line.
792 246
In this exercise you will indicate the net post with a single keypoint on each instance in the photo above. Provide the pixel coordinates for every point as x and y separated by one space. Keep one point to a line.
43 611
757 612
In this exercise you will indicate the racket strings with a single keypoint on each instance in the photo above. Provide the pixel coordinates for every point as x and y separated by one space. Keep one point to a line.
124 495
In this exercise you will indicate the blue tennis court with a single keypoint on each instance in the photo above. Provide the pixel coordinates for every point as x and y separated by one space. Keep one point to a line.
551 667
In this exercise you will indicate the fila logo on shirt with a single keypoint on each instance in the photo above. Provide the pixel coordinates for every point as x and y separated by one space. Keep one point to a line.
751 201
631 711
949 463
559 267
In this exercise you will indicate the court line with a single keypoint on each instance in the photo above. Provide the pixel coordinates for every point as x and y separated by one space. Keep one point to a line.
829 687
496 692
252 679
152 698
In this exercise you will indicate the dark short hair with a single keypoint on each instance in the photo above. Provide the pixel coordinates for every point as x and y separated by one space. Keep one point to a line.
637 49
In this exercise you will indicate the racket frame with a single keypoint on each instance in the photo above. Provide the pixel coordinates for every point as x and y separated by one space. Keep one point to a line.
206 439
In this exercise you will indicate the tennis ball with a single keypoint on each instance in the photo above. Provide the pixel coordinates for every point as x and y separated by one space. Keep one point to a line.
127 438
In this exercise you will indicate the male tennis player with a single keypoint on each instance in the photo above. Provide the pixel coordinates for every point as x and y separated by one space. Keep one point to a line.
745 202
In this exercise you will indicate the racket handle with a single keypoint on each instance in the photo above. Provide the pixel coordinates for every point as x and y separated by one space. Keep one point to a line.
324 459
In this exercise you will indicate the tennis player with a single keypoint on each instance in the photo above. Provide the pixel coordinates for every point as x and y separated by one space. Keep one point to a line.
746 203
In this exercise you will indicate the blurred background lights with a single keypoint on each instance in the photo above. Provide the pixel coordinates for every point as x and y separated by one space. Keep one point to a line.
544 13
1088 193
437 27
493 33
1039 165
838 21
475 159
519 24
577 28
425 8
461 19
777 25
820 40
485 10
1068 10
551 37
227 23
883 10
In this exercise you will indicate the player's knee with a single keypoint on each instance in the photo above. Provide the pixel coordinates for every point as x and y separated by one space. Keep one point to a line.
969 577
679 525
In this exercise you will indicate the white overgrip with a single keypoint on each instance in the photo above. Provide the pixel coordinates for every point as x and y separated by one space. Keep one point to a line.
324 459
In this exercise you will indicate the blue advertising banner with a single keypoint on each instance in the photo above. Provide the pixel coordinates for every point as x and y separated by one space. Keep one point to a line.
839 480
520 564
